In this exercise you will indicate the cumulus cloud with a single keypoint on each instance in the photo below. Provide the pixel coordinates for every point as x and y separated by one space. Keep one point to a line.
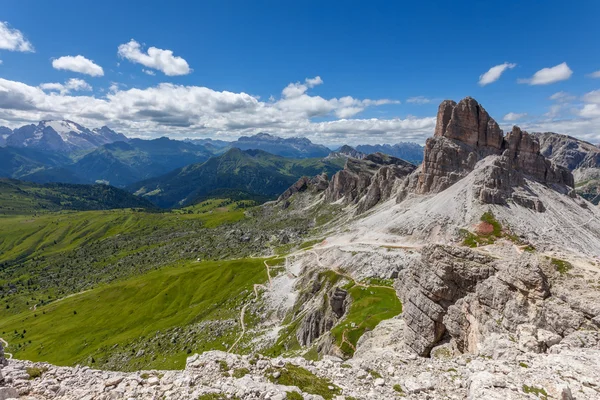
562 97
419 100
294 99
546 76
511 116
78 64
72 85
494 73
579 119
13 40
159 59
194 110
594 75
149 72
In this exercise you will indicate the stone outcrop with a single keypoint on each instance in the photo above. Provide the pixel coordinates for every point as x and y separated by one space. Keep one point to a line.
465 134
568 151
461 296
367 182
316 184
444 275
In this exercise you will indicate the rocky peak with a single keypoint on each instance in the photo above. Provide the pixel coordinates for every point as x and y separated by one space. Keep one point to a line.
469 123
465 134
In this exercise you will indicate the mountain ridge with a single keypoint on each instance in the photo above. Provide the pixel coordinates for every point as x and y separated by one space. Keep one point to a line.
249 172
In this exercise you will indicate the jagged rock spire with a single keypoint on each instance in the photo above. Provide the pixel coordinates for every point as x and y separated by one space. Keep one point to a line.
464 134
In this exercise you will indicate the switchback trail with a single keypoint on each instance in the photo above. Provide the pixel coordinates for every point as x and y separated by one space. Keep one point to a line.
256 286
243 328
5 345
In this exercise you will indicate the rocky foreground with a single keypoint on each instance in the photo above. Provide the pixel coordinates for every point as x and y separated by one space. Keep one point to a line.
381 369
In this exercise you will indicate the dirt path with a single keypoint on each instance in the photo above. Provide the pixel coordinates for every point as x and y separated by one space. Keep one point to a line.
5 345
256 286
260 285
345 340
243 328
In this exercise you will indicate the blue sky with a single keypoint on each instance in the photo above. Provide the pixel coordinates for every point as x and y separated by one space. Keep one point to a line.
383 67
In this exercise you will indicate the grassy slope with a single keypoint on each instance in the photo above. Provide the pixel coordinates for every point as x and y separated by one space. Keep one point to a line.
19 197
132 309
27 236
54 254
370 306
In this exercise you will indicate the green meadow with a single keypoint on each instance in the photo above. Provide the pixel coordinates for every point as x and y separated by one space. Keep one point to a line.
85 327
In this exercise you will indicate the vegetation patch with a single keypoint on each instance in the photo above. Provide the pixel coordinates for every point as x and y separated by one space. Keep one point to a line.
370 306
240 372
398 389
488 231
293 396
310 243
293 375
217 396
561 266
35 372
541 393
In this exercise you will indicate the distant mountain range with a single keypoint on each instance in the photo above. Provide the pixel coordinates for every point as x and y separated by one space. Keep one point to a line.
253 174
59 136
347 151
123 163
172 172
407 151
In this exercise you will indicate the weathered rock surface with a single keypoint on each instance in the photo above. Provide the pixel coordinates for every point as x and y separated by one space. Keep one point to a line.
367 182
466 297
568 151
374 374
464 135
316 184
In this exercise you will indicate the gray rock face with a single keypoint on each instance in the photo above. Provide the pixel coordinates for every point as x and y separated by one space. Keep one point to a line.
428 288
463 296
568 151
316 184
367 182
466 134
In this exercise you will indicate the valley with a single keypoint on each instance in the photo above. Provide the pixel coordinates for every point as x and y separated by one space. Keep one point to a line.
352 275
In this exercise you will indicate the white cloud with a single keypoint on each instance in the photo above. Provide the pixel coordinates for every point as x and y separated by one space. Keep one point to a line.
13 40
592 97
511 116
296 100
192 110
1 62
494 73
578 120
562 97
162 60
298 89
78 64
149 72
594 75
72 85
550 75
419 100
